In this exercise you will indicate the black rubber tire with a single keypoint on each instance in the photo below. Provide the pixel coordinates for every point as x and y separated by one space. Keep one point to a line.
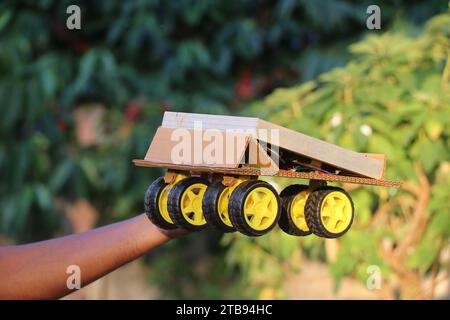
151 206
210 204
286 224
292 190
312 212
236 207
174 203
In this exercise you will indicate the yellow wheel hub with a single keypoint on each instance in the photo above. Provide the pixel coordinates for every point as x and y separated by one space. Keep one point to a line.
297 211
191 204
260 208
162 203
162 200
336 212
222 206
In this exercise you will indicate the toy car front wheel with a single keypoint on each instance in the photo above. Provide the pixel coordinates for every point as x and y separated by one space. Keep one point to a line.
155 204
329 212
185 203
254 208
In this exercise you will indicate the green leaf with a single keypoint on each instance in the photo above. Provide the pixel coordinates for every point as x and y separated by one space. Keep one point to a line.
14 107
440 224
431 153
5 17
423 256
61 175
90 169
43 197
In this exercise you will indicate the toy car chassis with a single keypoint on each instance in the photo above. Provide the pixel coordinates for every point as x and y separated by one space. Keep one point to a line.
230 197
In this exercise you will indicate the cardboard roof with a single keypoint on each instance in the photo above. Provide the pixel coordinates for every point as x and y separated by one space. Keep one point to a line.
211 148
361 164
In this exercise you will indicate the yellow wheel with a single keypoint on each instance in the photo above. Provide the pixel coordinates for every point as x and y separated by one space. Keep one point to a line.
185 203
222 207
329 212
162 203
156 207
215 206
254 208
293 219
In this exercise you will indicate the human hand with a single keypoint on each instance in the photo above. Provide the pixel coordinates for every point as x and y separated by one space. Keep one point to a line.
173 233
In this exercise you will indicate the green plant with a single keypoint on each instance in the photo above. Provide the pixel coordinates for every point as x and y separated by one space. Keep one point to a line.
131 61
138 58
392 98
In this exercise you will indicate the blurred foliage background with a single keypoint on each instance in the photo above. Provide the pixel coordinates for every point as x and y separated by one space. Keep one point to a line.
78 105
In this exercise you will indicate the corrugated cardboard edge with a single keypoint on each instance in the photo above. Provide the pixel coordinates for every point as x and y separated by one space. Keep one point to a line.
280 173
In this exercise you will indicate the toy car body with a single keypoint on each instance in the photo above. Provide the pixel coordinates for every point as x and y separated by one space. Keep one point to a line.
213 167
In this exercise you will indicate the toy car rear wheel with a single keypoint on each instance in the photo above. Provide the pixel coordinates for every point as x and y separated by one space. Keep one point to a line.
292 220
185 203
291 190
329 212
215 206
254 208
155 205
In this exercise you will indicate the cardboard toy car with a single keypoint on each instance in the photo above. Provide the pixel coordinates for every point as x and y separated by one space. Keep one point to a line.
213 164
